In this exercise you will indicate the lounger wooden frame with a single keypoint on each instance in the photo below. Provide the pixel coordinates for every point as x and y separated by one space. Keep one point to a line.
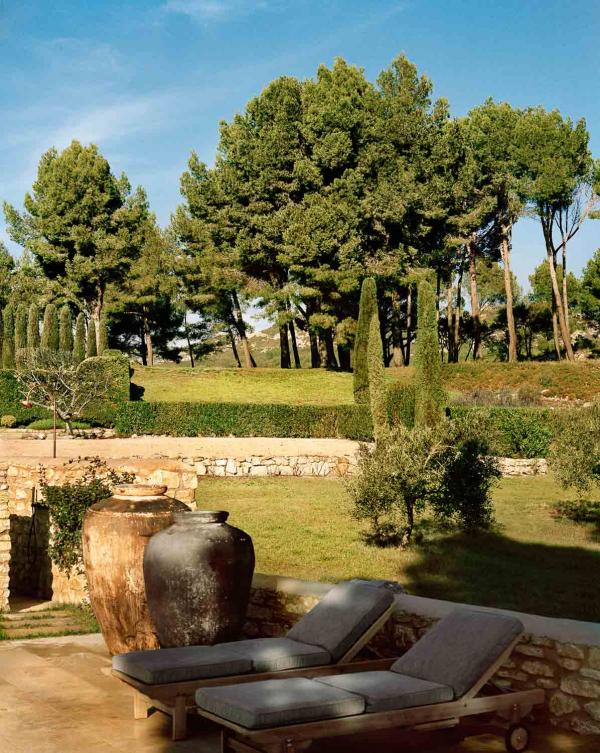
177 698
293 738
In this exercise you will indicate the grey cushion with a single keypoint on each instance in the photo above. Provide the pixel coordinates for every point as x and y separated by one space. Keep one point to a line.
341 617
273 703
180 664
460 648
276 654
385 691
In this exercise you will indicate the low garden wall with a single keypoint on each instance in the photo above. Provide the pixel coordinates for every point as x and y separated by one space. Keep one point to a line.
560 656
25 567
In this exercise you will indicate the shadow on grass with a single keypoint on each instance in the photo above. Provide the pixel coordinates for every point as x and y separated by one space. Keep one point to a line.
492 570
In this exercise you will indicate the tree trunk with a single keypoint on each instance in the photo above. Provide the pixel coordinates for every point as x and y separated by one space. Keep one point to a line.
475 310
510 315
189 343
297 362
148 340
555 332
458 314
330 350
398 357
143 351
315 353
565 294
240 326
284 347
236 355
409 324
562 322
344 357
97 310
450 323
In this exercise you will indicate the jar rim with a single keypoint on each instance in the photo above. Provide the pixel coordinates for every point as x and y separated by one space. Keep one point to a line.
201 516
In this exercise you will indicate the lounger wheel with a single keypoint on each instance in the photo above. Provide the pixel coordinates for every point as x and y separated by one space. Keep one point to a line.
517 738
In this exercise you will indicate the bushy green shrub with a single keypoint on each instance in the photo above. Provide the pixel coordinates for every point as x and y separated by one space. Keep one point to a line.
575 452
368 305
8 422
244 420
115 370
102 337
401 404
46 424
10 396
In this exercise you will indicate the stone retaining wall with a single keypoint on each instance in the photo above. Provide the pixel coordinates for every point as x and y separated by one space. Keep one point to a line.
560 656
24 560
277 465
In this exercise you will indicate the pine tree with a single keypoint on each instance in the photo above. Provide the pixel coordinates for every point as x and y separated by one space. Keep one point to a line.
102 336
430 398
50 327
91 348
79 344
8 341
376 377
33 327
368 306
65 331
21 328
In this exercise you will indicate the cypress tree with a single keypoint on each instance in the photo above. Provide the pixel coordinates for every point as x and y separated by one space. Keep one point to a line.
102 336
376 377
79 344
65 330
21 328
33 327
8 341
1 335
430 397
368 306
91 348
50 327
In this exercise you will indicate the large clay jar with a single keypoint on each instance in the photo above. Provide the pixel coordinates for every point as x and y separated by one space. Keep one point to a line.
198 574
115 534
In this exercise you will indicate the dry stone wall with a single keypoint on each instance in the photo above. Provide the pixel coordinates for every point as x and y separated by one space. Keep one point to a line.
4 550
560 656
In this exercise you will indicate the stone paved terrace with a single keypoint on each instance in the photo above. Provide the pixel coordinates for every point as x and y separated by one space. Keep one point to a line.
56 696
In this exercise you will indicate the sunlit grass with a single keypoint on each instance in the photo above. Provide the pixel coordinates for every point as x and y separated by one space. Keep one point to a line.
531 562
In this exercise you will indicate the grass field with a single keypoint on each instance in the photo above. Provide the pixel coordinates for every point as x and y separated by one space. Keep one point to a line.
531 562
579 381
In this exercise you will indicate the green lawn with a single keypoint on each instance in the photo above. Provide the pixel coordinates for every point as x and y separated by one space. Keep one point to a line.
320 387
532 562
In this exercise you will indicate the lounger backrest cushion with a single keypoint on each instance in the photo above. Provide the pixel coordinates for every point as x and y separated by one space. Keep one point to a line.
341 617
460 648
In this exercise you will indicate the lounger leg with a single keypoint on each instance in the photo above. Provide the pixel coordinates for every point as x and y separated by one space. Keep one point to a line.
224 745
141 706
179 730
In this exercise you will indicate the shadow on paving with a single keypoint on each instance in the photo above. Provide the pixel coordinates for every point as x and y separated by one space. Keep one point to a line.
492 570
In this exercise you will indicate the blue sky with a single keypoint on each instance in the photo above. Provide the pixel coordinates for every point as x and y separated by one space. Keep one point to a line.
149 81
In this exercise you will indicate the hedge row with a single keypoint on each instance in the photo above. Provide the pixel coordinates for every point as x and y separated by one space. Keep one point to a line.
511 432
9 401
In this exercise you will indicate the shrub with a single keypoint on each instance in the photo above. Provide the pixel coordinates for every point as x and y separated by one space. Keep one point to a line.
65 330
68 503
21 327
50 329
46 424
102 337
575 452
112 369
10 395
8 422
8 339
377 387
91 347
33 327
79 342
243 420
401 404
368 305
430 398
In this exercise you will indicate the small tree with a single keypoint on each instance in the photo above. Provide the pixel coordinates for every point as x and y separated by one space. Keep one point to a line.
102 336
65 332
368 306
430 398
79 344
376 381
21 327
50 329
33 327
91 346
52 380
8 340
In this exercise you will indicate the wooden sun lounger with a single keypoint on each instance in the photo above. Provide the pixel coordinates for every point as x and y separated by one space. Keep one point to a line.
512 706
177 698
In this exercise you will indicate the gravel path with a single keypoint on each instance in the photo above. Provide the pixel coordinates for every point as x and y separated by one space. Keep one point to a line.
148 446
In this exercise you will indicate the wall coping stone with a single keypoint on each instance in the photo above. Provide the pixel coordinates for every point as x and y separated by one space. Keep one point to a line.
558 629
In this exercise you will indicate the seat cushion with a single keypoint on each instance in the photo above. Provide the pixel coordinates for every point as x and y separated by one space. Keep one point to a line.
386 691
274 703
276 654
180 664
341 617
460 648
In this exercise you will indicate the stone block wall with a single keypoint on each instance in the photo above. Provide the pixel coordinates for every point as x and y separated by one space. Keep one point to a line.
560 656
24 561
277 465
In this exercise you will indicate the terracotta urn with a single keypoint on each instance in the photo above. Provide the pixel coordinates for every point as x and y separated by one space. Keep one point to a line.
115 534
198 574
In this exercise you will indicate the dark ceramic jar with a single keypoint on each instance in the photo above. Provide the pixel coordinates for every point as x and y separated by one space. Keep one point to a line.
198 574
115 534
